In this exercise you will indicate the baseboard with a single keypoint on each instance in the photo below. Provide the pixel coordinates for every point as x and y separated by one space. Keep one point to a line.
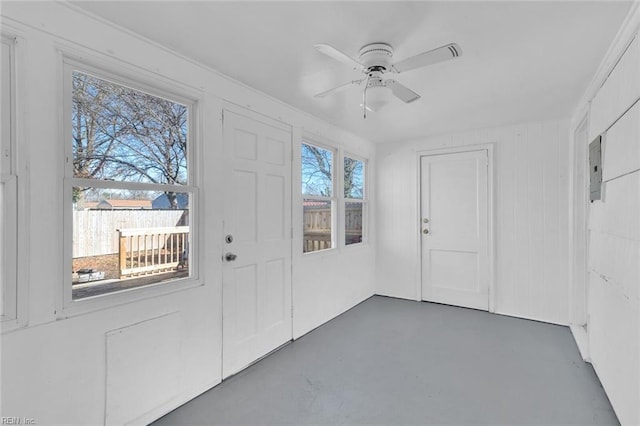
175 403
581 337
531 318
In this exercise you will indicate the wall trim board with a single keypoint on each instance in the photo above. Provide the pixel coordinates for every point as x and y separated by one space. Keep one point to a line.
531 318
581 337
149 350
248 112
491 181
630 26
582 126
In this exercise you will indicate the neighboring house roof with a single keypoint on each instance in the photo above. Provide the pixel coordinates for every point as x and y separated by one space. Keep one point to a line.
315 204
122 204
87 205
162 202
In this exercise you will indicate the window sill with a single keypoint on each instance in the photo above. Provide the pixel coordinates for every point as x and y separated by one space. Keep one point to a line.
336 251
320 253
127 296
357 246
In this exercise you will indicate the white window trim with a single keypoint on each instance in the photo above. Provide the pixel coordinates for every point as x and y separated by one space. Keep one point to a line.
145 82
9 180
364 201
334 199
9 248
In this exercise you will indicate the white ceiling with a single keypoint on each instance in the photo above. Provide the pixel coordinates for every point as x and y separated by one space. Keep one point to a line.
521 61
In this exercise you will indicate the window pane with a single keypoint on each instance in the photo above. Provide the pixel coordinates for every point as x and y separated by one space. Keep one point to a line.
317 172
5 108
317 225
353 223
124 134
8 188
5 138
353 178
124 239
2 248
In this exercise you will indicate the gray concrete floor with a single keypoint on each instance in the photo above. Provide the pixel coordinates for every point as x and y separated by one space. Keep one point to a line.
391 361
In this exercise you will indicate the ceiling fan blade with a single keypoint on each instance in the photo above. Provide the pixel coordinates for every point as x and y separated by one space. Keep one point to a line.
339 56
402 92
423 59
338 88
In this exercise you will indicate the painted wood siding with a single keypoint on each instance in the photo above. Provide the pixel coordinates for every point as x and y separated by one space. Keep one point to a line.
531 214
620 90
56 366
614 240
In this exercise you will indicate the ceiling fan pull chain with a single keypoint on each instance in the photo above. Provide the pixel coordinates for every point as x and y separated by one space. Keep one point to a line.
364 103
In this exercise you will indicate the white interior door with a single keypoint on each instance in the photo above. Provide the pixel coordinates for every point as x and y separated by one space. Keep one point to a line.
454 231
257 283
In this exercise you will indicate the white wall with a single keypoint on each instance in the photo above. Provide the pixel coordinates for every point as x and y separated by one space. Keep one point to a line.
613 288
531 217
328 282
55 368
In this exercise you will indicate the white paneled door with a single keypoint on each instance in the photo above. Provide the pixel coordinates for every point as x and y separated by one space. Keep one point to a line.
257 247
454 229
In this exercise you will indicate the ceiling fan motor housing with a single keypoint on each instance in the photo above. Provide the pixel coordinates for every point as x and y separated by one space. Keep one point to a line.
376 55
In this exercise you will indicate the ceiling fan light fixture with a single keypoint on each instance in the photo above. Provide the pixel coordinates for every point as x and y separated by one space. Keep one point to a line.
377 97
368 108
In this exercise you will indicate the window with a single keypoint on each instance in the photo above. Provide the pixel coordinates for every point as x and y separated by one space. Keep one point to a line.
8 188
318 198
129 186
354 200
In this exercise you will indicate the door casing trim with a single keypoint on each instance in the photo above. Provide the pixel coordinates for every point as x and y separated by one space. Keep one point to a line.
490 148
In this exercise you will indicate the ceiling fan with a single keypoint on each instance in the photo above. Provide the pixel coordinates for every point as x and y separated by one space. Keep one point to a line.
375 60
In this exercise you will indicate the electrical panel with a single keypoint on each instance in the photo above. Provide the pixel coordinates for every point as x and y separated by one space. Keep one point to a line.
595 169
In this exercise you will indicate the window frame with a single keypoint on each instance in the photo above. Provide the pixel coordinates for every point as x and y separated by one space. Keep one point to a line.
9 181
152 85
333 199
364 201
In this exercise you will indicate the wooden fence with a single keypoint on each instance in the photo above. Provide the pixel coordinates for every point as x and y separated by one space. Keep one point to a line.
152 250
94 231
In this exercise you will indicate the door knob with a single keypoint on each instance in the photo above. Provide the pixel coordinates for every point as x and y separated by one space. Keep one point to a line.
425 231
230 257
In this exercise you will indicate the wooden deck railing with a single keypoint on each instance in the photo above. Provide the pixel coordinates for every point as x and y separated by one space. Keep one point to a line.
145 251
317 227
316 240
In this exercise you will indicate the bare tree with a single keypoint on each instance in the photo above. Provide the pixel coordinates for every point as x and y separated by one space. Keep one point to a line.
125 134
317 173
92 145
353 178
